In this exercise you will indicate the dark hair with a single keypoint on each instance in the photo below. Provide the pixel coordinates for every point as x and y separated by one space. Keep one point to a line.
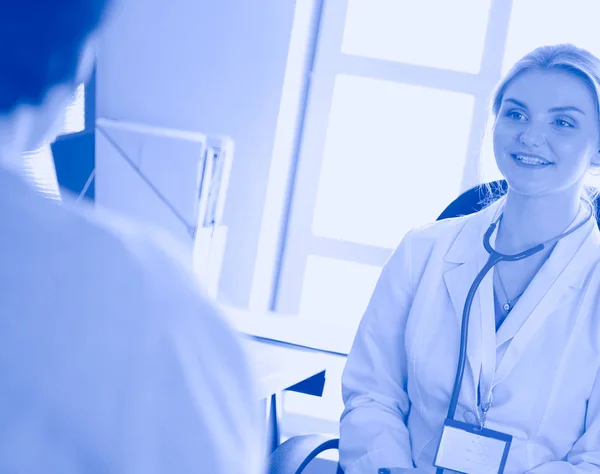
40 46
565 57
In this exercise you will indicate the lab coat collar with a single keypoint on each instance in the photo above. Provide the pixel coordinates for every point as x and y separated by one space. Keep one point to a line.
470 237
559 273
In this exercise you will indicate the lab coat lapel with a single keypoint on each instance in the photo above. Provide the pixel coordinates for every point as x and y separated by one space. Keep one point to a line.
561 272
458 281
469 253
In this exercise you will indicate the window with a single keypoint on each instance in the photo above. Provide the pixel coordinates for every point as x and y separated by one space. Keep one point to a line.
377 154
391 135
38 165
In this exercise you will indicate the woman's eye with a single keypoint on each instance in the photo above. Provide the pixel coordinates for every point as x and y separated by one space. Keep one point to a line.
515 115
563 124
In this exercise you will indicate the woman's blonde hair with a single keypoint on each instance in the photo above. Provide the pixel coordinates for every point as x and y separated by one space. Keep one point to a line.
565 57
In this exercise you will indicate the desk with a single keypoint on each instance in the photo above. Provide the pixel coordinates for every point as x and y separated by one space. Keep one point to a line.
278 366
305 332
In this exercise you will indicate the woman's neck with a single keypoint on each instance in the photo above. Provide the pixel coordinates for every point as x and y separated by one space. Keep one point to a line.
531 220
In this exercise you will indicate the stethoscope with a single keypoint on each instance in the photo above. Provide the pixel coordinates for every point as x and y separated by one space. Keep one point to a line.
494 258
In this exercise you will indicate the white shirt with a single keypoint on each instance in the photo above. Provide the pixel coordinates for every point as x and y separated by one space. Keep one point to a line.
111 360
544 360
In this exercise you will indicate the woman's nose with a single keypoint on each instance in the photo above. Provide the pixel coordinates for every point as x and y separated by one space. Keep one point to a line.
532 137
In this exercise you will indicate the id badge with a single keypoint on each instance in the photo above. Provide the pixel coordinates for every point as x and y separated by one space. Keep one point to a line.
468 449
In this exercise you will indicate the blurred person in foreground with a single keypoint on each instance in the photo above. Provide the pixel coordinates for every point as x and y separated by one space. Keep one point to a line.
111 360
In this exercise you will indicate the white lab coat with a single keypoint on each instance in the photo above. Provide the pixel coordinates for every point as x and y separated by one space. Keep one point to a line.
110 358
400 372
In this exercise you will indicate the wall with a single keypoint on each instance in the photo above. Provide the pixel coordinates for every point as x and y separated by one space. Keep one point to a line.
211 67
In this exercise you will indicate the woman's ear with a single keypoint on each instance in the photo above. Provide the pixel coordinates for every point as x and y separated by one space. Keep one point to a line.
596 159
594 168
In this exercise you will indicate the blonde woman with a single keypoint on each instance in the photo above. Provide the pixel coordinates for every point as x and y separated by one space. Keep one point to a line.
533 346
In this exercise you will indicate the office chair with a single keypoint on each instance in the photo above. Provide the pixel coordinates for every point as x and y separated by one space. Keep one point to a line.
292 456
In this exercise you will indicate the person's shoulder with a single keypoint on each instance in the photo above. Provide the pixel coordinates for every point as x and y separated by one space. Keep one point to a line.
171 290
146 244
154 268
163 263
183 336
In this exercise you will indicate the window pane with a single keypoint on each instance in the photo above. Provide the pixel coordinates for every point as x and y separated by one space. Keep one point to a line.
75 116
393 159
447 35
538 22
335 291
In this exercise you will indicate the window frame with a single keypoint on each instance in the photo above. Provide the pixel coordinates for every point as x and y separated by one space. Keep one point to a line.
89 104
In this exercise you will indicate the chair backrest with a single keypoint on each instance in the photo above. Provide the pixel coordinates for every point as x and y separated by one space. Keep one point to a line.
473 199
470 201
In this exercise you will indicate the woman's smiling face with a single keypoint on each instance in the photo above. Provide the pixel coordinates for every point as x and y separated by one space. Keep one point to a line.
546 132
